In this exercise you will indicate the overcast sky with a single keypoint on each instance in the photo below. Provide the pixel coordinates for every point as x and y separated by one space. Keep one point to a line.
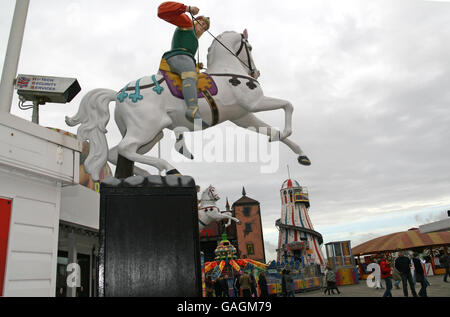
369 81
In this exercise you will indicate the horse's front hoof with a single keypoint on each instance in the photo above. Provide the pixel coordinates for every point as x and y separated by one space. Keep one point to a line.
304 160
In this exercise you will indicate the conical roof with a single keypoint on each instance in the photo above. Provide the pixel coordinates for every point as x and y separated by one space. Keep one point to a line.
290 183
227 205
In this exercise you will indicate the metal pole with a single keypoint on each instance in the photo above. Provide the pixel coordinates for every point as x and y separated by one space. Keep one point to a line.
12 54
35 116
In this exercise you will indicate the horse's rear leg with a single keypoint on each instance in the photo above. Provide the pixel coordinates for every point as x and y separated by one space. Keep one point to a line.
251 120
113 155
133 142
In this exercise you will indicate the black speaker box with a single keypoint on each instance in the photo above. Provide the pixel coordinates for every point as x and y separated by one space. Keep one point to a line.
149 237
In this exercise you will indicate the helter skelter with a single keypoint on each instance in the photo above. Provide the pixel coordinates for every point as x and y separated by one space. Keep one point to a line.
298 242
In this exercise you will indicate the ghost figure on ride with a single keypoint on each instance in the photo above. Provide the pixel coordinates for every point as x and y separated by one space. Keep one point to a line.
144 107
209 212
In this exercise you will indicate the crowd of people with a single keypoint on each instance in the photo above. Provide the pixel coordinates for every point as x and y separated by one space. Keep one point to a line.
244 285
404 269
400 270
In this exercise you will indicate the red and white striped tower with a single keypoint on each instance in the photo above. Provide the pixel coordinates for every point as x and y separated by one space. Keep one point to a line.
297 238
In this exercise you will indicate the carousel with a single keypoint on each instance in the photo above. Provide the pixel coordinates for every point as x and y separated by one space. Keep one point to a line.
227 264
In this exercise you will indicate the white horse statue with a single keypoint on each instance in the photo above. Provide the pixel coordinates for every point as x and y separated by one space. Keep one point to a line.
209 212
146 106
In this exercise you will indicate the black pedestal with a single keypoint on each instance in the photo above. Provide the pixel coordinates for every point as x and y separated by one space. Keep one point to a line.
149 237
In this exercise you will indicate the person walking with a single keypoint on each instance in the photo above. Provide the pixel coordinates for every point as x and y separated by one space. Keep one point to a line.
387 276
331 281
420 275
396 274
245 283
262 282
237 285
396 277
286 284
224 286
445 263
424 263
289 285
217 287
209 287
253 285
329 278
402 264
325 281
283 283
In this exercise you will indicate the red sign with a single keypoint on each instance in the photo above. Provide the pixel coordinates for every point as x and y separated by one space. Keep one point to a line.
5 217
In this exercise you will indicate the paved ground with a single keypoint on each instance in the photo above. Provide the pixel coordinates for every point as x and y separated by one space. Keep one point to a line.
437 289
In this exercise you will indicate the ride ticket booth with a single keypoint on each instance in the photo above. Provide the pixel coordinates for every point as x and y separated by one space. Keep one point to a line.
340 258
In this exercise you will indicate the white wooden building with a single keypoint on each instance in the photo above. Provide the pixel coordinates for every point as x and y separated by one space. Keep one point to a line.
46 217
36 166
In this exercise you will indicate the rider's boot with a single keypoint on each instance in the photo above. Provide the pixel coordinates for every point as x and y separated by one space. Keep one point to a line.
190 97
193 114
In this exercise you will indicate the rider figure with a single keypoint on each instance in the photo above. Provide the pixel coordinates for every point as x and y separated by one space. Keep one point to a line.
181 57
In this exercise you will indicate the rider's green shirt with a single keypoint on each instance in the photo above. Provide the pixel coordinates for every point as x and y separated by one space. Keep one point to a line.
184 42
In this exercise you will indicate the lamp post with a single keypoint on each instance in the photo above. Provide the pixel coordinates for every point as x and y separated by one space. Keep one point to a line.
12 55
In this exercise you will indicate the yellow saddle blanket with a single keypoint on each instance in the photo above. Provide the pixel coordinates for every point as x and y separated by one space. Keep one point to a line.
204 81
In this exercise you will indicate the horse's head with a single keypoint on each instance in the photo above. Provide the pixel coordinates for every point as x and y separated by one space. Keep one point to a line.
244 53
210 194
237 44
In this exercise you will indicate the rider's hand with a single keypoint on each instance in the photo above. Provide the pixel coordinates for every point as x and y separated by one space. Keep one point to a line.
193 10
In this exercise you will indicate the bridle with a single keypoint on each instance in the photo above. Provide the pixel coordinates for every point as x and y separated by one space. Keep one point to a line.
212 194
244 43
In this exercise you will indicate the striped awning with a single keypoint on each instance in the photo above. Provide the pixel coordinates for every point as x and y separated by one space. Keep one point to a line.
402 240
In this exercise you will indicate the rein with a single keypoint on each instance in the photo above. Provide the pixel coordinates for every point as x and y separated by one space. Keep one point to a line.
234 75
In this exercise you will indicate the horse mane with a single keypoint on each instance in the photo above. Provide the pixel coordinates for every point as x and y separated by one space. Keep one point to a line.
215 43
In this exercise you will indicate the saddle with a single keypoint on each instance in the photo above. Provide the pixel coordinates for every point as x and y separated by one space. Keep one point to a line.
206 87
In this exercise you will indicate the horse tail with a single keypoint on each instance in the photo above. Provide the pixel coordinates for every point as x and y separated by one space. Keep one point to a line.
93 115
